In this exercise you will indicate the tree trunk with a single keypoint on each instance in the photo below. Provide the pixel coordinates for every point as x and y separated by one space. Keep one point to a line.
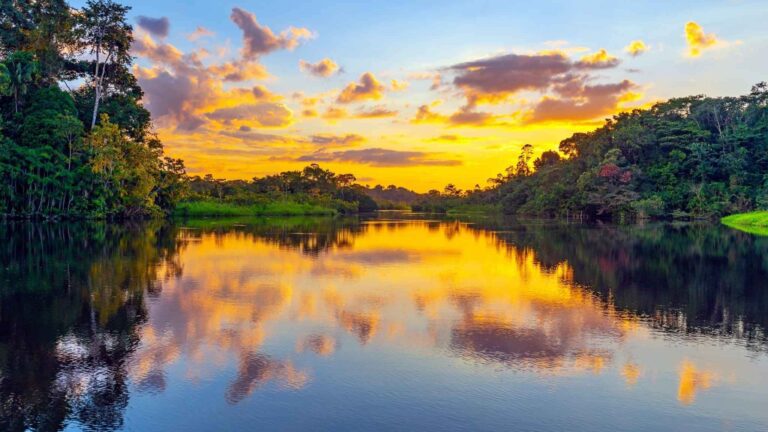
97 96
97 86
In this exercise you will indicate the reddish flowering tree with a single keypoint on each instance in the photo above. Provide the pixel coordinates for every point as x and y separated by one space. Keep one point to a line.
611 171
626 177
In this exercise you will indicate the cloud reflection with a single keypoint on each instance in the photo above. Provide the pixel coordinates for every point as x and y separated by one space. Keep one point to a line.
389 284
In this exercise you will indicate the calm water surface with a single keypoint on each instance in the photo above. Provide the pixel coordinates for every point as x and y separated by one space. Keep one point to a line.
389 323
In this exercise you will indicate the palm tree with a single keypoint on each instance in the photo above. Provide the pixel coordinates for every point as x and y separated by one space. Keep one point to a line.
22 70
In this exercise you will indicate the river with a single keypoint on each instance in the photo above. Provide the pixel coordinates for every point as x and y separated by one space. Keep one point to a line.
392 322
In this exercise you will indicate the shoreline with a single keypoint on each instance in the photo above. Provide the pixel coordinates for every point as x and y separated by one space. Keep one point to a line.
752 222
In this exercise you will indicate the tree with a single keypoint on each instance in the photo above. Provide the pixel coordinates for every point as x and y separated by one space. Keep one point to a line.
50 133
127 171
106 35
22 71
547 158
523 167
345 180
570 146
451 190
5 80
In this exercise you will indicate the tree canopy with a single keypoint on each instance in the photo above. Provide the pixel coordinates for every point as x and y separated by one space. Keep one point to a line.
87 152
696 156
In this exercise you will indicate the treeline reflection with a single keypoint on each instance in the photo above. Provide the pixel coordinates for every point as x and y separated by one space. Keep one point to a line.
689 278
310 236
71 299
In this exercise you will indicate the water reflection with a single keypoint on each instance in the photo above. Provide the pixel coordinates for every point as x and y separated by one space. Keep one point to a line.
94 317
71 302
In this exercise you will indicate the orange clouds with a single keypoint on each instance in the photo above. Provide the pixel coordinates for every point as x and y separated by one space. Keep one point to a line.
334 114
424 114
378 111
697 40
259 40
380 157
184 93
369 88
237 71
636 47
265 114
177 87
324 68
494 79
262 93
448 138
507 74
567 88
465 116
399 85
328 140
598 60
580 102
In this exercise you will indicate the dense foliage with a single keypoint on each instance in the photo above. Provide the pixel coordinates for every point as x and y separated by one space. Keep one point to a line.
688 157
393 197
87 152
312 185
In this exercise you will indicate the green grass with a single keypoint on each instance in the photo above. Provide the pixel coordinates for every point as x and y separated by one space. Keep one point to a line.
753 222
274 208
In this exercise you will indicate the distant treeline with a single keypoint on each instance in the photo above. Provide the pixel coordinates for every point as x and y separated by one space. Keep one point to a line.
84 152
312 185
688 157
393 197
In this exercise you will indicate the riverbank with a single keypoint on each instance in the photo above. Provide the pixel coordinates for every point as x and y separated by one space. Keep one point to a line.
273 208
752 222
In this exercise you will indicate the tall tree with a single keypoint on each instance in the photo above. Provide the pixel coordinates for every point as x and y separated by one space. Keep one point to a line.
107 36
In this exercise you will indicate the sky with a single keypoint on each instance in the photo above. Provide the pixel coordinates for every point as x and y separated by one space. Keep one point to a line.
421 93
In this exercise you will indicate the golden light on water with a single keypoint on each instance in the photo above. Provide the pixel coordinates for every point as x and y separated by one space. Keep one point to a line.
416 285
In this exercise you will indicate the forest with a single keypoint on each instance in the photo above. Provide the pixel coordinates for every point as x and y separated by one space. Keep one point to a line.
312 190
691 157
75 140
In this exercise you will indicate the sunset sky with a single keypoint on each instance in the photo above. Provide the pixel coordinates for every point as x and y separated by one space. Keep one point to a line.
419 93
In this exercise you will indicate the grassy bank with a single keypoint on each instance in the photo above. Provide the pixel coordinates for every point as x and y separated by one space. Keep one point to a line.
273 208
753 222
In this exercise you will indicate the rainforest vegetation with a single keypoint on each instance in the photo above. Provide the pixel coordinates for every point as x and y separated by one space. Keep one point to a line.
691 157
313 190
694 156
75 140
